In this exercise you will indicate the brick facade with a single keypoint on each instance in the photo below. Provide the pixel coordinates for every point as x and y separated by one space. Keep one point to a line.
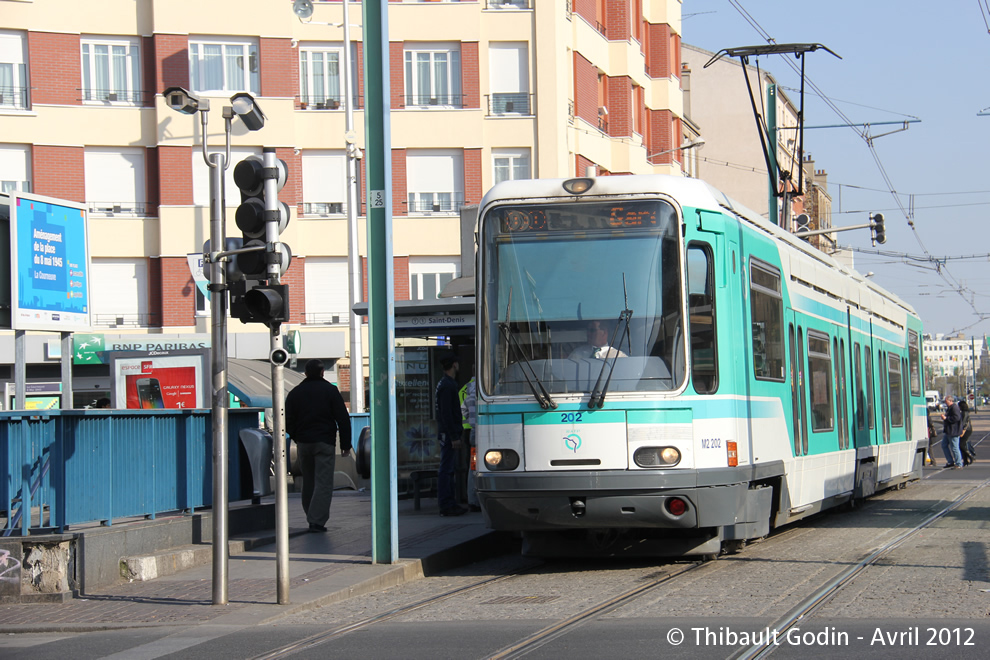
400 278
171 61
279 67
176 189
295 277
399 190
473 166
470 72
178 292
396 68
56 68
585 89
620 106
59 172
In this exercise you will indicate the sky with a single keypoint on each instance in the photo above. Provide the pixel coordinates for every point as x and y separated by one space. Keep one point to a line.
900 61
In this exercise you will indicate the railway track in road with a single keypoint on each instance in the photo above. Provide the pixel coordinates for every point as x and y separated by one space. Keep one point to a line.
827 591
653 583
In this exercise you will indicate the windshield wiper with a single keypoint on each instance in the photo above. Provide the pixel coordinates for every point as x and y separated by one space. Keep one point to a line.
542 396
598 395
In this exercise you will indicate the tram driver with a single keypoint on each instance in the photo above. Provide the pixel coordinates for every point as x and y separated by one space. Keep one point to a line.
597 344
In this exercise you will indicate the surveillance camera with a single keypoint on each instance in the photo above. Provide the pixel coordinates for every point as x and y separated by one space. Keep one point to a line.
279 357
181 100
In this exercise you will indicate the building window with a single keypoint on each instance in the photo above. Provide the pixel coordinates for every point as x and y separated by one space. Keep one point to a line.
509 73
111 70
428 277
120 292
510 164
13 71
435 180
319 78
224 66
115 181
433 76
15 168
324 179
768 322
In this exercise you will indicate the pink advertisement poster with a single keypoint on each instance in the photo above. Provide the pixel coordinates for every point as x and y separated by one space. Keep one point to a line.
169 380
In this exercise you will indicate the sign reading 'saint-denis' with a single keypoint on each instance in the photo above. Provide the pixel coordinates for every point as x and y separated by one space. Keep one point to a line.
50 264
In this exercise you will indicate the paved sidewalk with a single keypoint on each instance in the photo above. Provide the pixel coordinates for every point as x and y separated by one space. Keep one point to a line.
323 568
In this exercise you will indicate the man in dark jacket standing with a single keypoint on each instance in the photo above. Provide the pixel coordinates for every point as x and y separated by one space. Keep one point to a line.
450 425
951 427
314 414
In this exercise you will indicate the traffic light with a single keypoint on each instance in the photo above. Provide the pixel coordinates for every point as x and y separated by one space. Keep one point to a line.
876 224
801 220
259 297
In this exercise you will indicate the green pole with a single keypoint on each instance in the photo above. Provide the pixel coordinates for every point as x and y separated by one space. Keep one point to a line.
381 294
773 212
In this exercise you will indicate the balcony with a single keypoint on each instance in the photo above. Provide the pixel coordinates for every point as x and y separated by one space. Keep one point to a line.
328 318
509 103
113 209
323 208
438 100
451 203
13 98
509 4
120 320
117 96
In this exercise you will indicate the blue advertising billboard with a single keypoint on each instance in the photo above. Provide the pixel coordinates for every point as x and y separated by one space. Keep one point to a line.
49 264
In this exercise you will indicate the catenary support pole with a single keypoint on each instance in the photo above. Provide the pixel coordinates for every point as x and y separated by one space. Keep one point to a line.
381 297
353 249
218 364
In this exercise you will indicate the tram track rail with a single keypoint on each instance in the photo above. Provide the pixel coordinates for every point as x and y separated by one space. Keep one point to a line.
327 636
676 571
830 589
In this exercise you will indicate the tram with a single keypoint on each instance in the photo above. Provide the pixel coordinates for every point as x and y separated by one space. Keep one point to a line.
663 372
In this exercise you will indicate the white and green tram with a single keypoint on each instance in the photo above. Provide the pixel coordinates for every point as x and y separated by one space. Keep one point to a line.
748 380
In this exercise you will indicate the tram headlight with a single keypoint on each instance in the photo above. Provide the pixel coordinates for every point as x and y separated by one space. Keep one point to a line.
649 457
578 186
501 459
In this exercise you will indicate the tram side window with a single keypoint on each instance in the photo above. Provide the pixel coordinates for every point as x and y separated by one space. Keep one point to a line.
860 398
914 360
701 312
894 385
820 372
768 321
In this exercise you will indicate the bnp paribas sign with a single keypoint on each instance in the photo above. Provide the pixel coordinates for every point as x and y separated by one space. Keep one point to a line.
96 349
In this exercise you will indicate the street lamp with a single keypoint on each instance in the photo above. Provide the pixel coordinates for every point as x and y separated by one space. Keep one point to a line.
694 144
303 10
185 102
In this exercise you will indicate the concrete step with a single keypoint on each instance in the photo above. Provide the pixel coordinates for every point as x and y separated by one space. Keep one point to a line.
175 560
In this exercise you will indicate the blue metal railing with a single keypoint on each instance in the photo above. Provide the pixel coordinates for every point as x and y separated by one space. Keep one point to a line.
107 464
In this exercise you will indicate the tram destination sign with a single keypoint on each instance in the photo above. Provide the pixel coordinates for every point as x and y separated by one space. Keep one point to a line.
584 216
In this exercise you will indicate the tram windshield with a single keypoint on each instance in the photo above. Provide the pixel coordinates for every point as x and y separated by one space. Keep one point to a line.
573 289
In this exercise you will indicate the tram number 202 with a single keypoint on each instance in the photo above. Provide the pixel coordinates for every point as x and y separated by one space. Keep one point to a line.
570 418
711 443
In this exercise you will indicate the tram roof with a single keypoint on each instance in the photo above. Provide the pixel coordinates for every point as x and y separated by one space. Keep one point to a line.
687 191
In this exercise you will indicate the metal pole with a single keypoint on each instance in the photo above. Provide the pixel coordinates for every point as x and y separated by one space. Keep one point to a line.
381 294
66 361
773 211
20 370
353 254
218 363
272 206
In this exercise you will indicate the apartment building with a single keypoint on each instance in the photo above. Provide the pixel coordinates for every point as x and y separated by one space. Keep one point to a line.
480 91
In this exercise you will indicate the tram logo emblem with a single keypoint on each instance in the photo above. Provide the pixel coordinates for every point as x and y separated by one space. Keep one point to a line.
572 441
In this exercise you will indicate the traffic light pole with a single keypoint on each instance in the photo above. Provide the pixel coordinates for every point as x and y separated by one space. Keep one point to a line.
272 209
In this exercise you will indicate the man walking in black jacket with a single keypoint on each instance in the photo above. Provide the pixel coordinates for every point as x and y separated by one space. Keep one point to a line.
450 426
314 414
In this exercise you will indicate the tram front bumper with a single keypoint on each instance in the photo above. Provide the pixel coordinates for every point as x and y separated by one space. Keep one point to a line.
546 502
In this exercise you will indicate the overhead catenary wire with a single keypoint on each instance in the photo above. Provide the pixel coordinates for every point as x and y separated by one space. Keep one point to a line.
940 268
